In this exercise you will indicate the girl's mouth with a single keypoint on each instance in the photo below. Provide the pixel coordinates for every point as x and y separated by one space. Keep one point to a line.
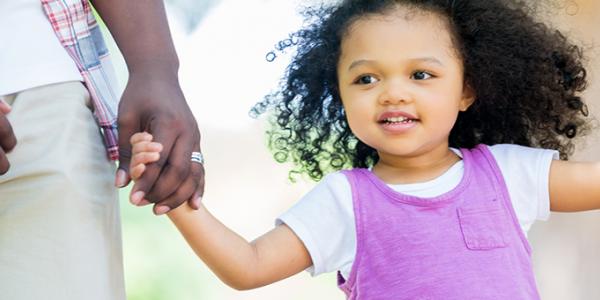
397 122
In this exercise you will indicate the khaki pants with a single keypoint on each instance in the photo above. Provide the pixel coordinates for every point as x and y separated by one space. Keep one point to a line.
60 232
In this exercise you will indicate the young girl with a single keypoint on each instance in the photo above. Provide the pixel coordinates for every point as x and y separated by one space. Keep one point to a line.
432 109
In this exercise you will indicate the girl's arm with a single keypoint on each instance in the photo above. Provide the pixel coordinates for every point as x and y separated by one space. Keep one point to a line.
574 186
276 255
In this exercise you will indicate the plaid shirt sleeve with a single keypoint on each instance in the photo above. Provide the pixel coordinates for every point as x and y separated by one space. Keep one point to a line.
79 33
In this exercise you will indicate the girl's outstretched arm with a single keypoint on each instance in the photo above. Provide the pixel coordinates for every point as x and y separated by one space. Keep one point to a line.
275 255
242 265
574 186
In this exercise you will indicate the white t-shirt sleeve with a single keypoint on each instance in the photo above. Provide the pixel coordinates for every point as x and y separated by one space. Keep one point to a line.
526 172
324 221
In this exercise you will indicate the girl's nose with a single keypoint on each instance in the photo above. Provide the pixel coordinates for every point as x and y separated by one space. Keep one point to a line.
394 93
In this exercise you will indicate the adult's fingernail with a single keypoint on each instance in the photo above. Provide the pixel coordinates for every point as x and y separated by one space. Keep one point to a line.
197 202
120 178
137 197
144 202
161 210
4 107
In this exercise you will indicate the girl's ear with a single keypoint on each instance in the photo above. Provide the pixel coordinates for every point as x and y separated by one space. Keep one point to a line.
468 97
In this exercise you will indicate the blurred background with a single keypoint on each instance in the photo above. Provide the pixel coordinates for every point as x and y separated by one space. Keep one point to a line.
222 46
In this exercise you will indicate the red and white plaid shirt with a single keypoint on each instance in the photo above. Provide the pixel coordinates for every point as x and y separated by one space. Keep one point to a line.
75 26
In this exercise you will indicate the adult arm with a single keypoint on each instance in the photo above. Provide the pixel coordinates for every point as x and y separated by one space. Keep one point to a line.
153 102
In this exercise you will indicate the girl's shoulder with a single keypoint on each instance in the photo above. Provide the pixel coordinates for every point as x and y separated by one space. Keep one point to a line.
336 182
512 152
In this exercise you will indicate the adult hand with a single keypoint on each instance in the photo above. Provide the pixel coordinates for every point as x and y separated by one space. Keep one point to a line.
7 137
155 104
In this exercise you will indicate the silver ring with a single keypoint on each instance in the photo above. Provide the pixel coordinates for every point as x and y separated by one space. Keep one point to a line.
197 158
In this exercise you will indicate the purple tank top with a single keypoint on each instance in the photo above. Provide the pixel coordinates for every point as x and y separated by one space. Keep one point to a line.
464 244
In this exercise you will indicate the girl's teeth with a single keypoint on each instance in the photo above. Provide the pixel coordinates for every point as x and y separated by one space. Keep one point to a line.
398 120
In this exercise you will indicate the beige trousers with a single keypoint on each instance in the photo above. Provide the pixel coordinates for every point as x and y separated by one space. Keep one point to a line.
60 232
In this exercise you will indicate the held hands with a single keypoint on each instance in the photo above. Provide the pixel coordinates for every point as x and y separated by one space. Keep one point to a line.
154 102
7 137
145 153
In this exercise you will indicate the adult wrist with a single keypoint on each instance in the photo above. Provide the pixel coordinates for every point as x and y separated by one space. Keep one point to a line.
154 69
154 75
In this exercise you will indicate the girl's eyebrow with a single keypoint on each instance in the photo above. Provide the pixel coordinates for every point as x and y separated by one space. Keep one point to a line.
359 62
428 59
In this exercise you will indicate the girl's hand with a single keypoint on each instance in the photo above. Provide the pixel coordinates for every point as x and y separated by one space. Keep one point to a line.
144 152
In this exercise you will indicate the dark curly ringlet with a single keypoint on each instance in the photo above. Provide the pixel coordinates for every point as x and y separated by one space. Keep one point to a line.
526 75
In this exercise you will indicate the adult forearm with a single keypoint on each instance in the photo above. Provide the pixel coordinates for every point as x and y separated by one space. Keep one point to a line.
142 34
228 255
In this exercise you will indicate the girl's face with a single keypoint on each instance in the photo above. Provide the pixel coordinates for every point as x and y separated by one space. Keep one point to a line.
401 82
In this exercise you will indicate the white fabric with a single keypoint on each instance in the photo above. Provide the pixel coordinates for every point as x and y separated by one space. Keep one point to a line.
30 53
324 219
60 230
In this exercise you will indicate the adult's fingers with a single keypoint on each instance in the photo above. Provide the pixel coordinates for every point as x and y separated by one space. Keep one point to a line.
8 141
185 191
4 164
4 107
175 172
191 190
198 175
127 127
164 135
7 137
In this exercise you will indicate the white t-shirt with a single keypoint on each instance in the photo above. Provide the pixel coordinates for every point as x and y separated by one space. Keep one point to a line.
324 218
30 53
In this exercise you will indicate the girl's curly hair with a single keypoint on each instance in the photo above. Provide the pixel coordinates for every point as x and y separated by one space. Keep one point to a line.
527 77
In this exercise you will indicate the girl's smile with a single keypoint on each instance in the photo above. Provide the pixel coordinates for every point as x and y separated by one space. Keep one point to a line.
397 122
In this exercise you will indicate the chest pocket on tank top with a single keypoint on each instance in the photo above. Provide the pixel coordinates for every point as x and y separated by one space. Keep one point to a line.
484 227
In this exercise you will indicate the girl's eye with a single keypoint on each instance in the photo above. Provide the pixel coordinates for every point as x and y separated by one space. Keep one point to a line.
366 79
421 75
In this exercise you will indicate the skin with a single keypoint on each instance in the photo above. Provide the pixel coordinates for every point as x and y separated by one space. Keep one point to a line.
8 141
387 77
153 101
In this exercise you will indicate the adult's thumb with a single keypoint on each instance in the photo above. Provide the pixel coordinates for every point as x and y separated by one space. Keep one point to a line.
4 107
122 177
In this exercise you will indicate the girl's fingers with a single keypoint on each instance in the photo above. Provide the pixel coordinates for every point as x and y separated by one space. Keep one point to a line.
144 158
146 147
137 171
140 137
